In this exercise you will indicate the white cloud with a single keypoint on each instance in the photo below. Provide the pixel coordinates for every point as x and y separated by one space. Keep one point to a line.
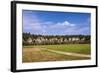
77 31
66 23
36 26
63 25
48 22
45 27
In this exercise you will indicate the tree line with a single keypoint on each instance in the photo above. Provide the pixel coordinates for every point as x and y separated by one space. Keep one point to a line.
33 39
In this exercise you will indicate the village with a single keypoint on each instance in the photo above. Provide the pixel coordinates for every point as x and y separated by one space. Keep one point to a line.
50 40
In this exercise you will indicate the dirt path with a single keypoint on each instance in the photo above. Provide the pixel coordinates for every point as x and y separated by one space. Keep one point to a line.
68 53
31 49
59 52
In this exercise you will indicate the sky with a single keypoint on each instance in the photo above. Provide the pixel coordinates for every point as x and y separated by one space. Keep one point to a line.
56 23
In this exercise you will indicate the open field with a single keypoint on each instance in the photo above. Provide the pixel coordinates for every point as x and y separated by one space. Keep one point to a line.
38 53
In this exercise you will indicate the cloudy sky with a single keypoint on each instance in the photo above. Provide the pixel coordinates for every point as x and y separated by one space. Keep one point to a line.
56 23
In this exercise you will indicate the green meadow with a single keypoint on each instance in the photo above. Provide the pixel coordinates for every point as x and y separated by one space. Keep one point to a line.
36 53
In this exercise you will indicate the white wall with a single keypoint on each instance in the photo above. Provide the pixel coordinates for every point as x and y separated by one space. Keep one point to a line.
5 36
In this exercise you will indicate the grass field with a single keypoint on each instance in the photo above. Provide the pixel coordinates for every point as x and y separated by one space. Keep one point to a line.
38 54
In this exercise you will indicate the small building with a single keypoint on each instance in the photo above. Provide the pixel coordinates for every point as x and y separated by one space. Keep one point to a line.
66 40
70 39
39 40
83 39
73 39
29 40
77 39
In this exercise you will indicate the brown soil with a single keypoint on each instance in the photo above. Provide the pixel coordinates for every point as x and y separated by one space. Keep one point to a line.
31 49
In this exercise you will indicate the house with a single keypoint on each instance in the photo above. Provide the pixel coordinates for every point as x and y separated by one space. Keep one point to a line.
82 39
70 39
39 40
66 40
75 39
29 40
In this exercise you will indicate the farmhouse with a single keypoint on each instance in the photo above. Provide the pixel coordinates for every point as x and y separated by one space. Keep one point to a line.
39 39
75 39
29 40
